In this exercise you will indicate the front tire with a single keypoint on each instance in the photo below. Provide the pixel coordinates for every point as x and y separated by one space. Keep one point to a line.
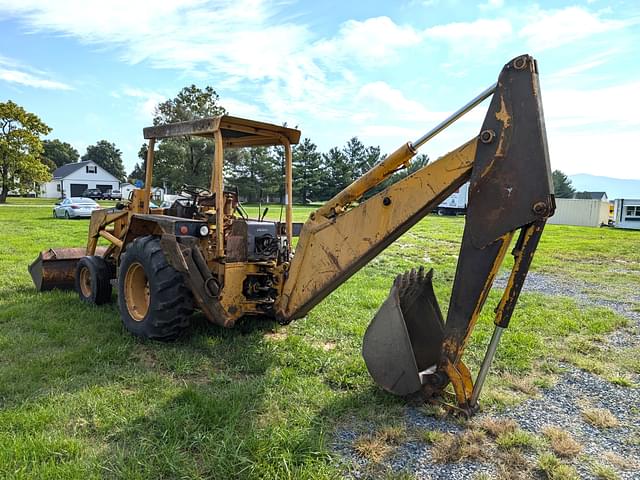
153 299
93 280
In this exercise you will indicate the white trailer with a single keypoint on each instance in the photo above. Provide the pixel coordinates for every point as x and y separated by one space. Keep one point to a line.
626 213
456 203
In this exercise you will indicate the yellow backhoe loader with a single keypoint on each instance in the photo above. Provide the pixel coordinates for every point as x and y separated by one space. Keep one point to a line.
205 253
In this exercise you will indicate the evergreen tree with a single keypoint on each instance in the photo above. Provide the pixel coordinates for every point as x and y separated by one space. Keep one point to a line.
562 185
307 171
339 172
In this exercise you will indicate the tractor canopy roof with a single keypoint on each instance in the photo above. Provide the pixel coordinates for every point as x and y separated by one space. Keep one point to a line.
236 132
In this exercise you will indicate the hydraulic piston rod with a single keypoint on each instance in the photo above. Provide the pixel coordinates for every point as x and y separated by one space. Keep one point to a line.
454 116
486 364
397 159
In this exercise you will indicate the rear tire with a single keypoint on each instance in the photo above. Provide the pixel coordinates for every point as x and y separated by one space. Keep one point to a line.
153 299
93 280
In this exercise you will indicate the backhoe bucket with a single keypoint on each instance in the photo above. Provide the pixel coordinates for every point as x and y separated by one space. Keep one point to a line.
405 337
56 268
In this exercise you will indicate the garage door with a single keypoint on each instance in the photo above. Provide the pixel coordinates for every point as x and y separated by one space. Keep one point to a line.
104 188
77 189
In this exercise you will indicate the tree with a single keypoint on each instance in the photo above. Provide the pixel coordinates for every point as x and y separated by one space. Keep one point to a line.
339 173
196 153
307 171
359 157
108 156
190 103
60 153
419 161
562 185
20 149
257 172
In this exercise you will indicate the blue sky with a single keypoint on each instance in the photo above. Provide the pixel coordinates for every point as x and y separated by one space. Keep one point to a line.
385 71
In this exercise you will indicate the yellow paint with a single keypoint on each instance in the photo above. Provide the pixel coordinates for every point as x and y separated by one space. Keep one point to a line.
332 249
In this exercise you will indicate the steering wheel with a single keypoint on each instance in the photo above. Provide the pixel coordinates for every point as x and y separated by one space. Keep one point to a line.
196 191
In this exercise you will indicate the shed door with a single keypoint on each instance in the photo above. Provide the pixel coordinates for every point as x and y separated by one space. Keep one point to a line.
77 189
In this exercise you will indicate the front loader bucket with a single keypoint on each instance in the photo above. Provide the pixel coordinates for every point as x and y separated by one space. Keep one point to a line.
405 337
56 268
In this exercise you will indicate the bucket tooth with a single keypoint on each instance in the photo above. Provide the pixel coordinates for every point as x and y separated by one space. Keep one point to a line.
405 336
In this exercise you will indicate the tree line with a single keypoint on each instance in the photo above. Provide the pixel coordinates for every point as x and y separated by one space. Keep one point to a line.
258 173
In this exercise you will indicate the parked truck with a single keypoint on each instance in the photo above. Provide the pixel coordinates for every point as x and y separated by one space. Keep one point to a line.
456 203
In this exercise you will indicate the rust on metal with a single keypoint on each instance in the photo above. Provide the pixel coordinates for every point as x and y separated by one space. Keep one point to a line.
56 268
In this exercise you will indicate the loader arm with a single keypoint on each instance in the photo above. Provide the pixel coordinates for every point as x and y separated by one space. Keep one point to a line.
507 165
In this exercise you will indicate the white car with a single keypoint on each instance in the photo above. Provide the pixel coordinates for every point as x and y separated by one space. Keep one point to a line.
75 207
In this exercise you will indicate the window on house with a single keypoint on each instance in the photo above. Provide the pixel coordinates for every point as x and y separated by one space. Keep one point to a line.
58 187
633 211
91 169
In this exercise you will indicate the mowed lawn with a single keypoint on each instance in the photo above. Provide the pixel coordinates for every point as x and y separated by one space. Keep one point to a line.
81 398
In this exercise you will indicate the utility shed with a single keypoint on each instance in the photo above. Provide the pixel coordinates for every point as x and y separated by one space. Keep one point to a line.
580 212
626 213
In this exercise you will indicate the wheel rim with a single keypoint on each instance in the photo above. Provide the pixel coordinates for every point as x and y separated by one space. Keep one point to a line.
136 290
85 282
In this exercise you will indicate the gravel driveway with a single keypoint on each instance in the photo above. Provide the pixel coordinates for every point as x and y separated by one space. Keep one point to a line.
563 405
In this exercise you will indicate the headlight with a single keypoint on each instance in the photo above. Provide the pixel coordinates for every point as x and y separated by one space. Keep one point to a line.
204 231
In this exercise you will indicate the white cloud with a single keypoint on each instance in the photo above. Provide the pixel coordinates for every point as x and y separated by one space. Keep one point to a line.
552 28
391 101
608 155
604 108
570 72
372 41
491 4
146 100
291 74
239 108
234 36
465 37
14 72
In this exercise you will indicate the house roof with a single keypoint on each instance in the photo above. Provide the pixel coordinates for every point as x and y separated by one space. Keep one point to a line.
591 195
69 168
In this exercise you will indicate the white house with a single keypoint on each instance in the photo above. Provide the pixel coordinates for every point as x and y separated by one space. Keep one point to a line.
72 179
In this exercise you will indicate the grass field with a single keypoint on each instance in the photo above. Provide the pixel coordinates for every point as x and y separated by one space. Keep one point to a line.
81 398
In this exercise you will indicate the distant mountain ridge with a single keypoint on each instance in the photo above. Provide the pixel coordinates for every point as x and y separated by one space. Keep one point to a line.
615 187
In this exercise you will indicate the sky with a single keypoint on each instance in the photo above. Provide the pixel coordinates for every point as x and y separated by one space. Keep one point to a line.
384 71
